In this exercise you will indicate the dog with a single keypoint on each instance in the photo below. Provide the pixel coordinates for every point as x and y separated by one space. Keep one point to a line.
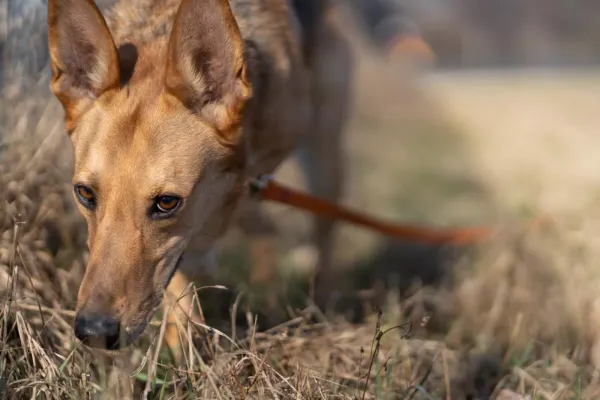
172 106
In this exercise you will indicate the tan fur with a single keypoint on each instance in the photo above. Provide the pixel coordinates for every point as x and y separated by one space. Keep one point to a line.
193 108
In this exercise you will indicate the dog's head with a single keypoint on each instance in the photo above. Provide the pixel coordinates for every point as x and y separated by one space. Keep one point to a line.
158 153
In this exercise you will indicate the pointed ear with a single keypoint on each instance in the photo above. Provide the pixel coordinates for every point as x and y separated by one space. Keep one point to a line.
205 64
83 56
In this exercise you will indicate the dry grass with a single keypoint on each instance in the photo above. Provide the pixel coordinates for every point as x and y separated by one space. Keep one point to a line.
522 314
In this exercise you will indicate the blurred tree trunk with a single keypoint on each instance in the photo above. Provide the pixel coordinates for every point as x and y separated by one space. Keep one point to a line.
3 36
24 46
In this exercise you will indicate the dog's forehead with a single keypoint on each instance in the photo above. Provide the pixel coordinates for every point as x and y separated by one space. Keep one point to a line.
148 141
156 123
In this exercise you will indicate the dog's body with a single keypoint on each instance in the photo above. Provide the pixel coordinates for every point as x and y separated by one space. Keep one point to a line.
198 98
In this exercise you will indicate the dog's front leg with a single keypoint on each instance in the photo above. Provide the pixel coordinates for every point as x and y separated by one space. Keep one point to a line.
178 308
198 263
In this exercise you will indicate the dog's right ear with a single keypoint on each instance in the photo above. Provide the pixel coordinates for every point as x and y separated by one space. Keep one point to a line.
83 55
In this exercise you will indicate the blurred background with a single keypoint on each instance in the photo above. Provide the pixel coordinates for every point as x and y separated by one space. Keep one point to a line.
464 34
465 112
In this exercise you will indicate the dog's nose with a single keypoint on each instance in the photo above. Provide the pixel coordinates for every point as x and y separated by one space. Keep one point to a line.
97 330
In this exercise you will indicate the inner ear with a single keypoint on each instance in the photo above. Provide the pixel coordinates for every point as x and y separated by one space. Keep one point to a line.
128 56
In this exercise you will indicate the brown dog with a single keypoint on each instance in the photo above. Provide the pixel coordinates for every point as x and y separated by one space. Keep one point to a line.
171 106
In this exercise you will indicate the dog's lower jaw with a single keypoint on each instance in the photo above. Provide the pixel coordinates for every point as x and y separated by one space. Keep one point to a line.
133 333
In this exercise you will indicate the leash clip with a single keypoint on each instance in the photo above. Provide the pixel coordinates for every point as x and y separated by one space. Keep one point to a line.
258 184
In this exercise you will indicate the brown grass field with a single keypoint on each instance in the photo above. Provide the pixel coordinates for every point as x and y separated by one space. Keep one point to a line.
519 318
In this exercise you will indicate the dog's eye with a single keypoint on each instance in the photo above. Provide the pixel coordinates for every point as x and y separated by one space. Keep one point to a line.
86 196
165 205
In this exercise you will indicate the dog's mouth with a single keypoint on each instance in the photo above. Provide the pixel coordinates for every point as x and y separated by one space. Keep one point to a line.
125 337
111 343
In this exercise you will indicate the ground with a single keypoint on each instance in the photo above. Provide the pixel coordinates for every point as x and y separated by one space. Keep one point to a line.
520 316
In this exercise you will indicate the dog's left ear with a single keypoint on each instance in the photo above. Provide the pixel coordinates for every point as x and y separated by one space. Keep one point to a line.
205 64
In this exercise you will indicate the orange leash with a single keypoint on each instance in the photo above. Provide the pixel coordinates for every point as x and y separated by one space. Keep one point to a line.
267 189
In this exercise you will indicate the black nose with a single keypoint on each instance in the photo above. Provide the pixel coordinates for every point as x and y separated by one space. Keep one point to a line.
98 331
